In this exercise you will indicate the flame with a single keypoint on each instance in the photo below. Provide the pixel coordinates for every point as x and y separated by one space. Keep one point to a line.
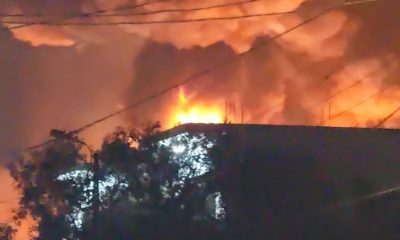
199 114
182 97
187 112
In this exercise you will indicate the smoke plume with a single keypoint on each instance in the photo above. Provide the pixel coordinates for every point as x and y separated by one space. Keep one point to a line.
239 34
304 77
339 70
322 57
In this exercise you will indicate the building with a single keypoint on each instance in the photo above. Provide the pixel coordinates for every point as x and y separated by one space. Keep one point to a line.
297 182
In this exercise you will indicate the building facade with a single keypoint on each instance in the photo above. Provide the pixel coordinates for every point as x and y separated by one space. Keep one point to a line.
280 182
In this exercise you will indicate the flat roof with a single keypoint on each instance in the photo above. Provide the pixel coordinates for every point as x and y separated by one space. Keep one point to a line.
203 127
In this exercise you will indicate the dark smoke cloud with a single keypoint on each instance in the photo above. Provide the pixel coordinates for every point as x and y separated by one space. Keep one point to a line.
38 82
46 87
278 73
162 65
255 79
65 87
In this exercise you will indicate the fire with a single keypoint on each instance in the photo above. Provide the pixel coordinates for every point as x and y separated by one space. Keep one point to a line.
187 112
199 114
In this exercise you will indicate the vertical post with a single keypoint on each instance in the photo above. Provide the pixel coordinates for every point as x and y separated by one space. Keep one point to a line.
329 117
322 116
226 111
243 85
242 112
96 197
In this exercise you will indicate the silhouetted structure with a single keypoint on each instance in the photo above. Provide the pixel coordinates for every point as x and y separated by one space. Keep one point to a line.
295 182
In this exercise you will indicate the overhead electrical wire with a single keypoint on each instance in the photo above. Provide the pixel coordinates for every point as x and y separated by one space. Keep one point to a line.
341 91
370 74
311 85
354 106
301 91
172 10
202 73
101 11
370 97
388 117
218 65
195 9
385 192
184 82
170 21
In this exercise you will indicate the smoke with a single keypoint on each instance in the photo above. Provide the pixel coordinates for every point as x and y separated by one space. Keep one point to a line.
74 74
39 35
273 77
295 79
372 72
321 56
239 34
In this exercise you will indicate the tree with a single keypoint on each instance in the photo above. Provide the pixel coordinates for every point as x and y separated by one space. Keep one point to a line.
6 232
47 200
131 187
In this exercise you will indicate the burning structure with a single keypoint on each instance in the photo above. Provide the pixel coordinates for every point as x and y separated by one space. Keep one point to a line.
278 181
169 175
263 181
345 56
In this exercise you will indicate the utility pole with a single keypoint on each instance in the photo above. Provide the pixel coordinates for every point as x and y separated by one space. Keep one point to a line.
243 83
329 115
226 111
95 194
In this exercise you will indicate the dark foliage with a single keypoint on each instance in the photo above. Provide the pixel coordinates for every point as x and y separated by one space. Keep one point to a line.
6 232
86 207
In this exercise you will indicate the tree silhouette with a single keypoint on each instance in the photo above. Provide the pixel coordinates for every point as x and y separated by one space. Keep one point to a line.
131 187
47 200
6 232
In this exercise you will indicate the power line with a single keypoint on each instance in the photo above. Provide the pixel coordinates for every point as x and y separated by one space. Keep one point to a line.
269 109
204 72
143 13
199 74
103 13
351 86
303 90
364 100
172 21
361 199
182 9
40 145
370 97
387 117
73 16
356 2
309 86
17 151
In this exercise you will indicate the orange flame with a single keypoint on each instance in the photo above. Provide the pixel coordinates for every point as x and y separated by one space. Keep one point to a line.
187 112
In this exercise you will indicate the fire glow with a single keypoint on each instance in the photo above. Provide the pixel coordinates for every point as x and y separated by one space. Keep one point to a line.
188 112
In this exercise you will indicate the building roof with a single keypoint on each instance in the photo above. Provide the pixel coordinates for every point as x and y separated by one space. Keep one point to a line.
202 127
340 156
